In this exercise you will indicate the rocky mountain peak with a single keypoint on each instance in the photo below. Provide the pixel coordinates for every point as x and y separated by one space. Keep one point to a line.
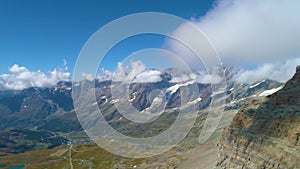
298 69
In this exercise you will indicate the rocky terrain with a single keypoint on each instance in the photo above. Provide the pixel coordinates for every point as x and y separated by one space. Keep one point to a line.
265 133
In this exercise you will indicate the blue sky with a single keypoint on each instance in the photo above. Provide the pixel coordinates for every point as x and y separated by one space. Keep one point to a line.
260 37
40 34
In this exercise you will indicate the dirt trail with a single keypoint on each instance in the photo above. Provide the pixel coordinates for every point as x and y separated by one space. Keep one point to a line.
70 157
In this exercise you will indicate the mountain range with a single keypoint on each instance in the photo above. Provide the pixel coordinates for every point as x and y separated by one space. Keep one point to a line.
35 119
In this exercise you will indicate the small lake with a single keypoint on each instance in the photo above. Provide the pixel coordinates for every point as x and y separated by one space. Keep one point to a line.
18 167
2 165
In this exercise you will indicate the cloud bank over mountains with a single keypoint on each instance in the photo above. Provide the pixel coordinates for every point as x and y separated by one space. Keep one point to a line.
280 71
136 72
20 77
133 72
265 33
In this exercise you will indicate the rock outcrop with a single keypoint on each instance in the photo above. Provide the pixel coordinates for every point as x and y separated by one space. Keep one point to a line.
265 133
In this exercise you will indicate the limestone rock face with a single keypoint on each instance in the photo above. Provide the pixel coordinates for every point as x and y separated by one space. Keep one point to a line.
265 133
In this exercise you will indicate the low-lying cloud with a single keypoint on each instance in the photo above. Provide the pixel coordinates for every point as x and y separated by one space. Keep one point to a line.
274 71
137 72
20 77
151 76
198 76
134 72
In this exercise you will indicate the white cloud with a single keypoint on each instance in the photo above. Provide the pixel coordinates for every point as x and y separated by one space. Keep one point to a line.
136 72
209 79
248 32
87 76
151 76
20 78
126 73
183 77
274 71
103 75
198 76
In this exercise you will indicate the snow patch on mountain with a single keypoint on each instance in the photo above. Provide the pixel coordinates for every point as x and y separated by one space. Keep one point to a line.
174 88
269 92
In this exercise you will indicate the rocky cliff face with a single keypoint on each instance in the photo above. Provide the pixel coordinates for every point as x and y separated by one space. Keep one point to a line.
265 133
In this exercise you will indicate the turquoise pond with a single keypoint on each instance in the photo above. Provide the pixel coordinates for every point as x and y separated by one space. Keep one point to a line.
17 167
